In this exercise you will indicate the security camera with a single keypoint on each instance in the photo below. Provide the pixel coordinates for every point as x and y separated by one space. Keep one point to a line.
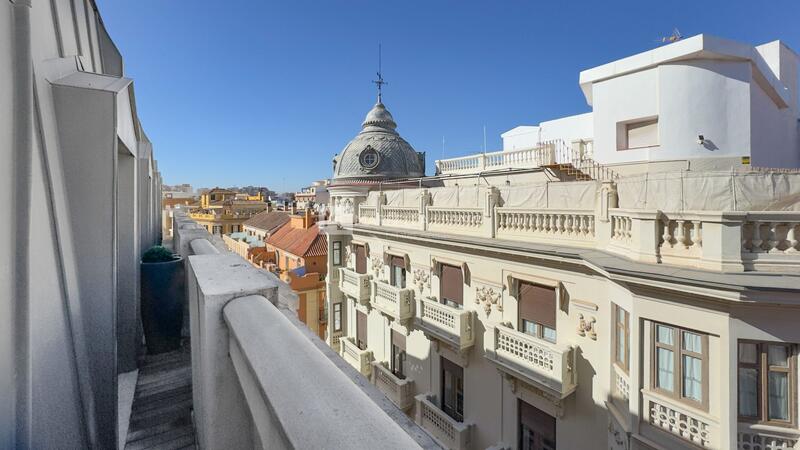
701 139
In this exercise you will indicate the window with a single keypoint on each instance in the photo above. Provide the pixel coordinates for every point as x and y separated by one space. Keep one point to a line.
451 286
637 134
361 259
398 355
537 429
537 310
452 389
680 361
398 271
767 382
361 330
622 338
337 253
337 317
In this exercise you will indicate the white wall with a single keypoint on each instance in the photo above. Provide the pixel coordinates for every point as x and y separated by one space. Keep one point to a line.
567 129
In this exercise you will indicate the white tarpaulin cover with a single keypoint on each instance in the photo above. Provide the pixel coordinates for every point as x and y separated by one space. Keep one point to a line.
711 191
458 196
553 195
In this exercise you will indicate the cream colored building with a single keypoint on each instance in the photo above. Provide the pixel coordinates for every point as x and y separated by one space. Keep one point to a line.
535 298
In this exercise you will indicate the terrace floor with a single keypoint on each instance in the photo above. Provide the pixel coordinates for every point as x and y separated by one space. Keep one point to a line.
162 405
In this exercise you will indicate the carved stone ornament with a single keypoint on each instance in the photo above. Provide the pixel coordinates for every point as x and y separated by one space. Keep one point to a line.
488 296
422 279
376 264
586 326
348 256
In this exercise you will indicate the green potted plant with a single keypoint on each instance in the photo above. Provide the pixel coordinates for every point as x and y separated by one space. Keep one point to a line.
162 299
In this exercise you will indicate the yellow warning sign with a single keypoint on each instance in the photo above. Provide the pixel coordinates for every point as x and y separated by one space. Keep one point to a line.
745 160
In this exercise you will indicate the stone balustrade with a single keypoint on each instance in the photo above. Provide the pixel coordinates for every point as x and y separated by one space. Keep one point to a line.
400 215
453 325
544 364
543 155
368 214
399 391
393 301
686 423
450 433
360 359
575 226
765 437
356 285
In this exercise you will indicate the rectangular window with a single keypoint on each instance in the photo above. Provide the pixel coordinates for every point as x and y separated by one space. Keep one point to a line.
622 338
637 134
452 389
767 382
337 317
451 286
537 310
361 330
398 271
337 253
680 362
398 355
361 259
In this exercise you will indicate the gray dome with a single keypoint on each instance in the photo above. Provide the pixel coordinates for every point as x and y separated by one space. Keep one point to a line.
378 152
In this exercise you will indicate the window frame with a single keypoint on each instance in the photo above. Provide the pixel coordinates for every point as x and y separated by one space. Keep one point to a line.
677 353
337 308
763 368
626 328
624 128
337 253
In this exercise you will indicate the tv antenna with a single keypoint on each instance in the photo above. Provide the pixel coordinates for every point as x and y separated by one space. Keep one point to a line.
674 37
379 82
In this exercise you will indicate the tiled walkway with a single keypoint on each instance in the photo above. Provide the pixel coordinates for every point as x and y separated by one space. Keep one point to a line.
162 405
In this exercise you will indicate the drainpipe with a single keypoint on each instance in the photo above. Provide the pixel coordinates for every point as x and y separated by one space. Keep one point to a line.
21 187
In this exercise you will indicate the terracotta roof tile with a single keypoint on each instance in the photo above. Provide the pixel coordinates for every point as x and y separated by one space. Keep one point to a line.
267 221
300 242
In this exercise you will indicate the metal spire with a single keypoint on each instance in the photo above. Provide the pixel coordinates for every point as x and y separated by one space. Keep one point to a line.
379 82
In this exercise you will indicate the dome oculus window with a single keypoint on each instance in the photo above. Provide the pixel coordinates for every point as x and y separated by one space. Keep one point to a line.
369 158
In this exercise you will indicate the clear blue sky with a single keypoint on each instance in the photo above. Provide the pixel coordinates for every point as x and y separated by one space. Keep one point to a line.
240 92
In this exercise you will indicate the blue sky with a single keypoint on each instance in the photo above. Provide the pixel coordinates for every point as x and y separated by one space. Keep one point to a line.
241 92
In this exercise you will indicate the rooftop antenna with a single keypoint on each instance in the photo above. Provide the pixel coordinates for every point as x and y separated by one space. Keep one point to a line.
484 139
674 37
379 82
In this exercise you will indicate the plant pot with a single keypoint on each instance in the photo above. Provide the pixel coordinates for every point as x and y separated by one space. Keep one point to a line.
163 296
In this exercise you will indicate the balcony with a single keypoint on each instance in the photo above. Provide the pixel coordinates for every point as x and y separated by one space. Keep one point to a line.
454 326
393 301
448 432
355 285
360 359
544 365
755 436
684 422
399 391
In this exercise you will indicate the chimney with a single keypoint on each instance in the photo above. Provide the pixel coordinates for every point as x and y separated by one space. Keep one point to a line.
269 206
294 208
309 218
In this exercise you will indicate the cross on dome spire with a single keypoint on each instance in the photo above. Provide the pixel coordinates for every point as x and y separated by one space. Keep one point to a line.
379 82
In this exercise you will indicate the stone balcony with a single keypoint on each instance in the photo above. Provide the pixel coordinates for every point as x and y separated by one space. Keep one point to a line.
360 359
354 284
448 432
399 391
456 327
755 436
395 302
546 366
679 421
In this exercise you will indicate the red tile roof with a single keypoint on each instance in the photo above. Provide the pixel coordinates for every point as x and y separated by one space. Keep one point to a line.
268 221
299 241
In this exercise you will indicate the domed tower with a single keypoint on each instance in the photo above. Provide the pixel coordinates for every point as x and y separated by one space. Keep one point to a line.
377 153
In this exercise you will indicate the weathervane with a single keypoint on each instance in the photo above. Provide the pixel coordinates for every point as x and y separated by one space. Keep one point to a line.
379 82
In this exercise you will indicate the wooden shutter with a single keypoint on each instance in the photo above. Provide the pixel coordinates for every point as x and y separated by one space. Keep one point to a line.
537 304
399 340
452 284
361 259
361 328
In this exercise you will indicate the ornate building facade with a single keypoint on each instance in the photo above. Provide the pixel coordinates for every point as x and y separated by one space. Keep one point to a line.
539 298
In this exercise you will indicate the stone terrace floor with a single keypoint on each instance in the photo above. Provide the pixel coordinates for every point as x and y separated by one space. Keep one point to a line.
162 405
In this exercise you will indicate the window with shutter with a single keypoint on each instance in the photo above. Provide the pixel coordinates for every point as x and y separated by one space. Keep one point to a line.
361 330
361 259
398 271
398 354
537 310
451 286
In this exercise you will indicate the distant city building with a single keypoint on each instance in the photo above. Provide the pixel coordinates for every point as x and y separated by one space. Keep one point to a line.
316 194
626 278
222 211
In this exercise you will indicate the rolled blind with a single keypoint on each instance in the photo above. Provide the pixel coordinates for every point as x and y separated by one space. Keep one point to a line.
361 327
361 259
452 284
537 304
398 261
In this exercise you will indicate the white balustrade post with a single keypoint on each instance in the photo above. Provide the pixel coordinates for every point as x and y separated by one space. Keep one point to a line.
424 202
722 241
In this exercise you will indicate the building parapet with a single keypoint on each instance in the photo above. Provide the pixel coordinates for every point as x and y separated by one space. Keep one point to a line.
354 284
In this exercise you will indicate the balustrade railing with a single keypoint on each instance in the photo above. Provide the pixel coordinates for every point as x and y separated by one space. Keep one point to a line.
692 426
772 233
540 362
394 301
621 228
400 214
360 359
765 437
455 217
368 214
455 325
399 390
572 225
354 284
450 433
